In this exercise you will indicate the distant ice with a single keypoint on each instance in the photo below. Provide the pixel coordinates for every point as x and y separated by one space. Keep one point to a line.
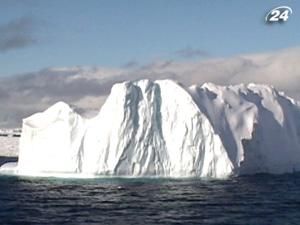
9 146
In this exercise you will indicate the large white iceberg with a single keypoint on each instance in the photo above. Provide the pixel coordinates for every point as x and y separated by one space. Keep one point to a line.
162 129
155 129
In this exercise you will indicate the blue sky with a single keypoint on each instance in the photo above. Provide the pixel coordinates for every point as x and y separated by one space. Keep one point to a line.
63 33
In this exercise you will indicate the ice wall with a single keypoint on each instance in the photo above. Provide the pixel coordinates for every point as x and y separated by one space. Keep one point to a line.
153 129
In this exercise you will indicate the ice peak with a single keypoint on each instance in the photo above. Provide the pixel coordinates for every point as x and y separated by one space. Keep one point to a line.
59 110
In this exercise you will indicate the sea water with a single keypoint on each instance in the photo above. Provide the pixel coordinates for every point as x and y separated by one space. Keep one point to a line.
259 199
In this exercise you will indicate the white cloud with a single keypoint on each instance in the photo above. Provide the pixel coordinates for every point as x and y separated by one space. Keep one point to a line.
87 88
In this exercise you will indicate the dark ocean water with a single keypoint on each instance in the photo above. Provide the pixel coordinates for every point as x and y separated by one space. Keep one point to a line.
260 199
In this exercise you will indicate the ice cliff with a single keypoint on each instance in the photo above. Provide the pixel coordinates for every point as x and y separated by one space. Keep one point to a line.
162 129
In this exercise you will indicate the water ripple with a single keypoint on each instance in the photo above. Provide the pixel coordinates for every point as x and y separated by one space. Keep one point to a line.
261 199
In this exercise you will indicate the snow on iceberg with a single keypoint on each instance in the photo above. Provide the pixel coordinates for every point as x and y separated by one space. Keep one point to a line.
162 129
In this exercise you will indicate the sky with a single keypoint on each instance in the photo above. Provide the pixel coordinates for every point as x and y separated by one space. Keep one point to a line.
122 33
75 51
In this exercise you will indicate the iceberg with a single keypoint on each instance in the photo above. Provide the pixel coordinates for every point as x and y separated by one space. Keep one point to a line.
153 129
259 127
51 141
162 129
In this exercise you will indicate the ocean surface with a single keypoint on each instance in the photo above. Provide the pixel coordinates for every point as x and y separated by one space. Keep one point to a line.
259 199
